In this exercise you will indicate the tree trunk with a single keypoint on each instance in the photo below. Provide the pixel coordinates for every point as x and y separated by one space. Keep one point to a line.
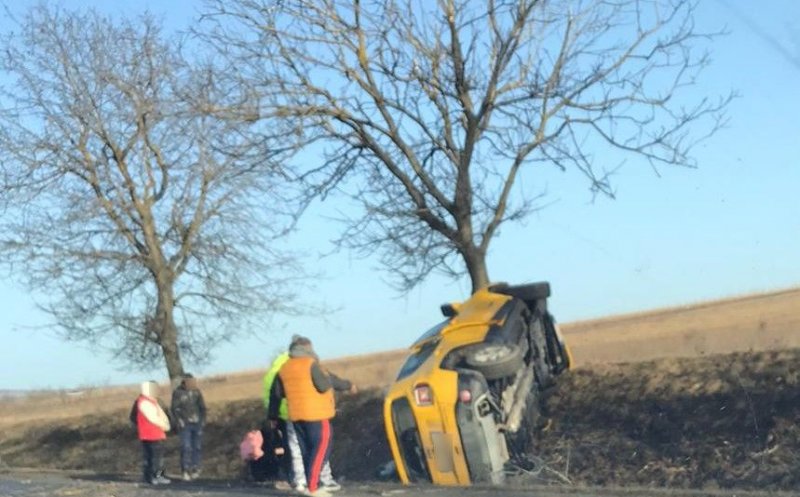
476 265
169 346
169 334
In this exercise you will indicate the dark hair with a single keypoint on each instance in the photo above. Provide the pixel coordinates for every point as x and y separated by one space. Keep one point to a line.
299 340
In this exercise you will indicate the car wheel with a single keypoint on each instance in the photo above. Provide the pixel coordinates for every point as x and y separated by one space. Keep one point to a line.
494 361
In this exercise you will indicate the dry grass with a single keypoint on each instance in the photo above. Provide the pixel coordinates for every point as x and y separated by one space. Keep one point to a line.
759 322
367 371
769 321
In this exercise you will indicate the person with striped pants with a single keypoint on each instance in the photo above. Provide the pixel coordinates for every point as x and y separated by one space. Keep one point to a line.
308 390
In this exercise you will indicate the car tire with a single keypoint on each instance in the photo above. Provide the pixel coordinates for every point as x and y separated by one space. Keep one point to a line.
494 360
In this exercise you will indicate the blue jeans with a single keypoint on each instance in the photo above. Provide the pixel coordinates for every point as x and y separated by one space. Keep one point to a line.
191 446
152 460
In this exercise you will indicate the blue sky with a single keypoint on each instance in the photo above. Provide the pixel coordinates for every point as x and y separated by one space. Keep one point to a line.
729 227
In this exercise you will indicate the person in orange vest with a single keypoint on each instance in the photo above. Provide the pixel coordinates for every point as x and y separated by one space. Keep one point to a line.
152 425
308 390
292 458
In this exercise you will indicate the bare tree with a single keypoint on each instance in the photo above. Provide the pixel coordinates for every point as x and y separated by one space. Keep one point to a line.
146 225
440 107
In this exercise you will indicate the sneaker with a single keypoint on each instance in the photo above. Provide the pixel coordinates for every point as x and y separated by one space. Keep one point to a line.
331 486
186 476
195 474
161 480
301 488
282 485
320 492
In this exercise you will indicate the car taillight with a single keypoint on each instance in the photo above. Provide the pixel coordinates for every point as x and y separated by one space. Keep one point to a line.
465 396
423 395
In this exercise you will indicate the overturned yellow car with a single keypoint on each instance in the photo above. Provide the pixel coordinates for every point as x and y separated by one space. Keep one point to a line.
467 398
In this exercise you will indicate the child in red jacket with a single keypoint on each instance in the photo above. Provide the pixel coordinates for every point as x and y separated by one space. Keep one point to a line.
152 425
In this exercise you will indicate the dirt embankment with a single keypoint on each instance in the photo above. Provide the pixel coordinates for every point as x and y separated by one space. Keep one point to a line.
106 443
727 421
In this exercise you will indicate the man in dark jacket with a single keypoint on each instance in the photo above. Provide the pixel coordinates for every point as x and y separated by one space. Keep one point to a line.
189 413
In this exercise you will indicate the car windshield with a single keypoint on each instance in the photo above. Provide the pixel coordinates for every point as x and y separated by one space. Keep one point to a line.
431 333
416 359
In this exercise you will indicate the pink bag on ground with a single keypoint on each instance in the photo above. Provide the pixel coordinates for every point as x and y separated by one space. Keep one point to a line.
250 448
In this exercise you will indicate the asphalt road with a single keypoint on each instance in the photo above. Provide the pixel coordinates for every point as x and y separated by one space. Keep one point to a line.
65 484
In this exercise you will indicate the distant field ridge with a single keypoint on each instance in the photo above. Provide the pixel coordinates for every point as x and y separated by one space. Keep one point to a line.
759 322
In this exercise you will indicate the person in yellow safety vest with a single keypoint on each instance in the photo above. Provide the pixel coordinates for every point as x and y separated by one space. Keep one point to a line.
269 377
290 451
307 391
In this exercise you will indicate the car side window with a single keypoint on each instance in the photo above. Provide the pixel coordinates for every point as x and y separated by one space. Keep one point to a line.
416 359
